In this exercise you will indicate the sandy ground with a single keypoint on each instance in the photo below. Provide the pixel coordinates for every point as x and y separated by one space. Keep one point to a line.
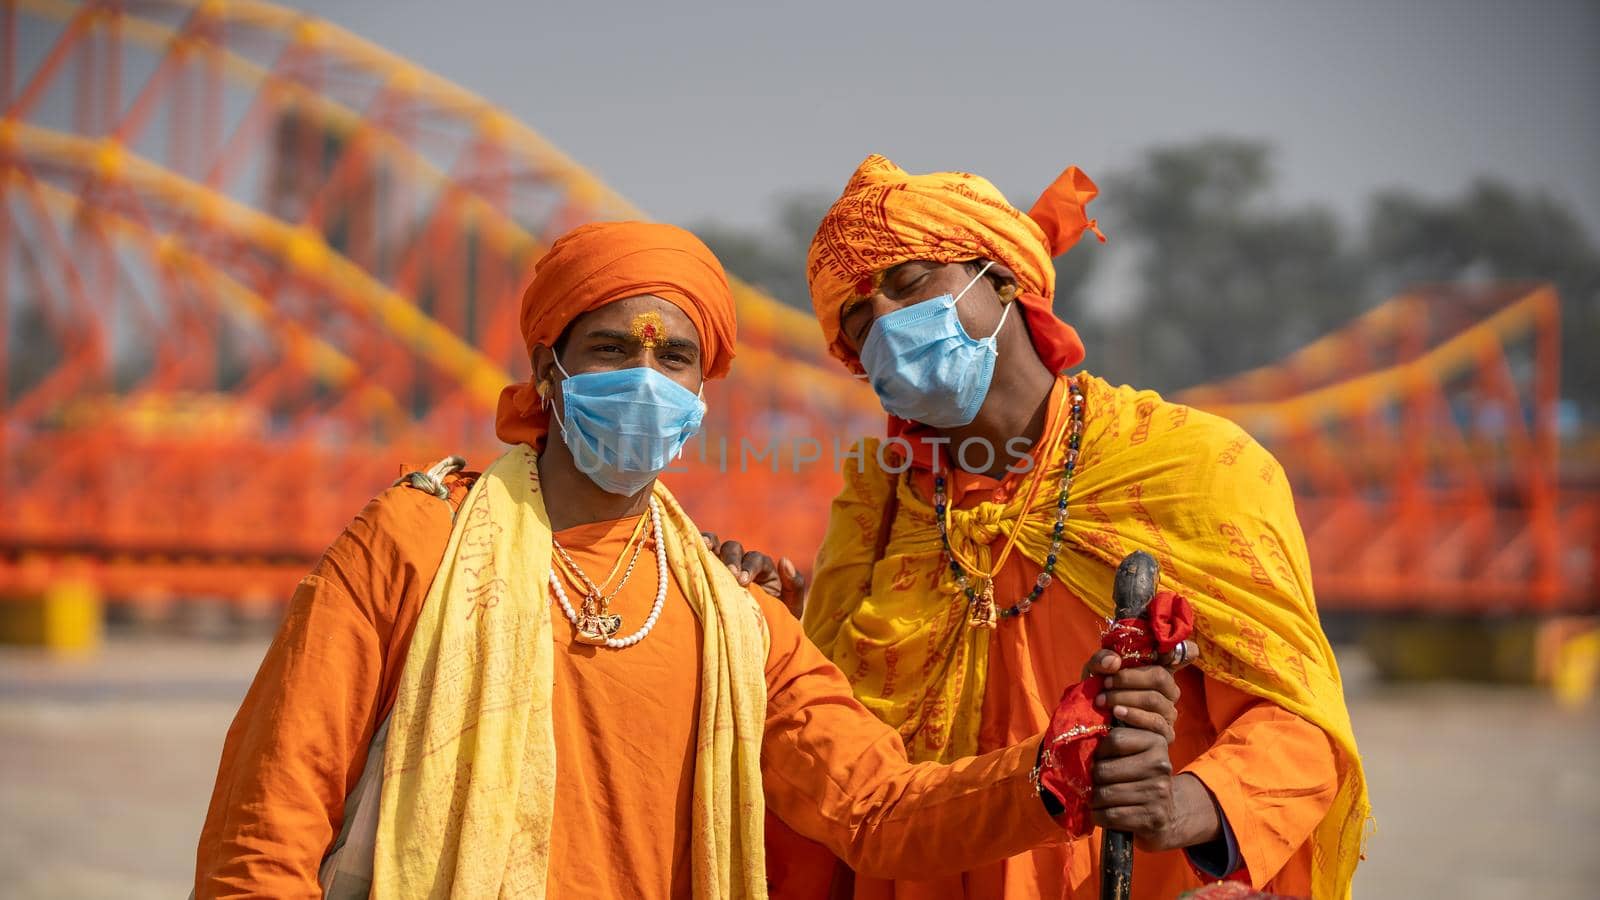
106 767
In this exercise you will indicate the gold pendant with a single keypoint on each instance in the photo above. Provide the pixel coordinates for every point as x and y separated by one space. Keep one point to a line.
594 625
984 612
597 629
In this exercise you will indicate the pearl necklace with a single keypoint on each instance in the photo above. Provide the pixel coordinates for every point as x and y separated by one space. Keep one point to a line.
655 611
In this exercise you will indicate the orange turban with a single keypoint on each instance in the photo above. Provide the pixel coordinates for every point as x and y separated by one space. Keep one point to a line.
604 262
887 216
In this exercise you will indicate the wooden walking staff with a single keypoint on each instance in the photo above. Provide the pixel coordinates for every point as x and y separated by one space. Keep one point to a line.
1132 591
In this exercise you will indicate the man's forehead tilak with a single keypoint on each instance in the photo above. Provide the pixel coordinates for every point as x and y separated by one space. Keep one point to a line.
649 329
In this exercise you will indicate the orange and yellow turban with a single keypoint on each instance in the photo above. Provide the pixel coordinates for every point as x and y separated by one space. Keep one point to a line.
601 263
887 216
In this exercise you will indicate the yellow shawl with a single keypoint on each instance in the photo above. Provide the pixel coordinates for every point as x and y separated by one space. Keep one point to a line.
1188 487
469 770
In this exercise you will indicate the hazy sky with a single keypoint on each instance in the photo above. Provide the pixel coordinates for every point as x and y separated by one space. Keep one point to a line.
696 110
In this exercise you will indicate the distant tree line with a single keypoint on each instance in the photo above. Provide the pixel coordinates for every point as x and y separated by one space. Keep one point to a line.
1226 278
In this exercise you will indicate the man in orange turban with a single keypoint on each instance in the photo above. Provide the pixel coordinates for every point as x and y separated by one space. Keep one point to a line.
968 562
540 680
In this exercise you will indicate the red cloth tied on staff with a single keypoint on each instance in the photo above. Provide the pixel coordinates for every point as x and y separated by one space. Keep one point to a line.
1077 725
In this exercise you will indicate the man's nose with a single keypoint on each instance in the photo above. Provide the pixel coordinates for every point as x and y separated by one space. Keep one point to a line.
648 357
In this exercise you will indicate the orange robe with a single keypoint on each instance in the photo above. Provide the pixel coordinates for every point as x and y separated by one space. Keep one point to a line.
1252 755
624 724
1272 773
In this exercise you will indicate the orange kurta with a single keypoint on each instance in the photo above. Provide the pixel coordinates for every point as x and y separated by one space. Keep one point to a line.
1272 773
624 723
625 729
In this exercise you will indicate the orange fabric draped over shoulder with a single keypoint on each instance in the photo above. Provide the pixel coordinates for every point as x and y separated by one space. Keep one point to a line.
605 262
887 216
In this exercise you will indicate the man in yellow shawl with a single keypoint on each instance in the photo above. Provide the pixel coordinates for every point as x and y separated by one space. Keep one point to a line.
967 568
540 680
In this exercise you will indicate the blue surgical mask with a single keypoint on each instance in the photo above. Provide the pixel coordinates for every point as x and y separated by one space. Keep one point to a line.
925 367
624 426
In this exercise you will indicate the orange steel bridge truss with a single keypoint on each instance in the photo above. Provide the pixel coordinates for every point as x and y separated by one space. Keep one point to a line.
250 263
1423 444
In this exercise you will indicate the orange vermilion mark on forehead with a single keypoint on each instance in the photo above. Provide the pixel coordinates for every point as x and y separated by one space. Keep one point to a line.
865 287
649 330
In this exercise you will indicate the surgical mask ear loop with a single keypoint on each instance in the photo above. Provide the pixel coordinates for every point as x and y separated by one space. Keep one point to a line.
1007 312
986 267
996 332
549 402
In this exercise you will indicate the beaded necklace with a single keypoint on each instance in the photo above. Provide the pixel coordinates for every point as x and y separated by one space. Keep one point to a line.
982 611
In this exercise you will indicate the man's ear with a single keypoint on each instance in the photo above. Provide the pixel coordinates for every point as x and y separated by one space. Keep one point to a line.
545 373
1000 275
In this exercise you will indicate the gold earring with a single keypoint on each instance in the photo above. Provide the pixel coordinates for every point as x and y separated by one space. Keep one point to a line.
1008 292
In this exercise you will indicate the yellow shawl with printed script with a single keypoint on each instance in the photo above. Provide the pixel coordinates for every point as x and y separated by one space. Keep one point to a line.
469 769
1188 487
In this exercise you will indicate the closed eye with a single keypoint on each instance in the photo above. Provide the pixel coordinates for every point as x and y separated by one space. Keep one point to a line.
905 285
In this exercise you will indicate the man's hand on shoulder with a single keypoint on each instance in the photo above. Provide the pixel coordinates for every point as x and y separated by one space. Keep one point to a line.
777 577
